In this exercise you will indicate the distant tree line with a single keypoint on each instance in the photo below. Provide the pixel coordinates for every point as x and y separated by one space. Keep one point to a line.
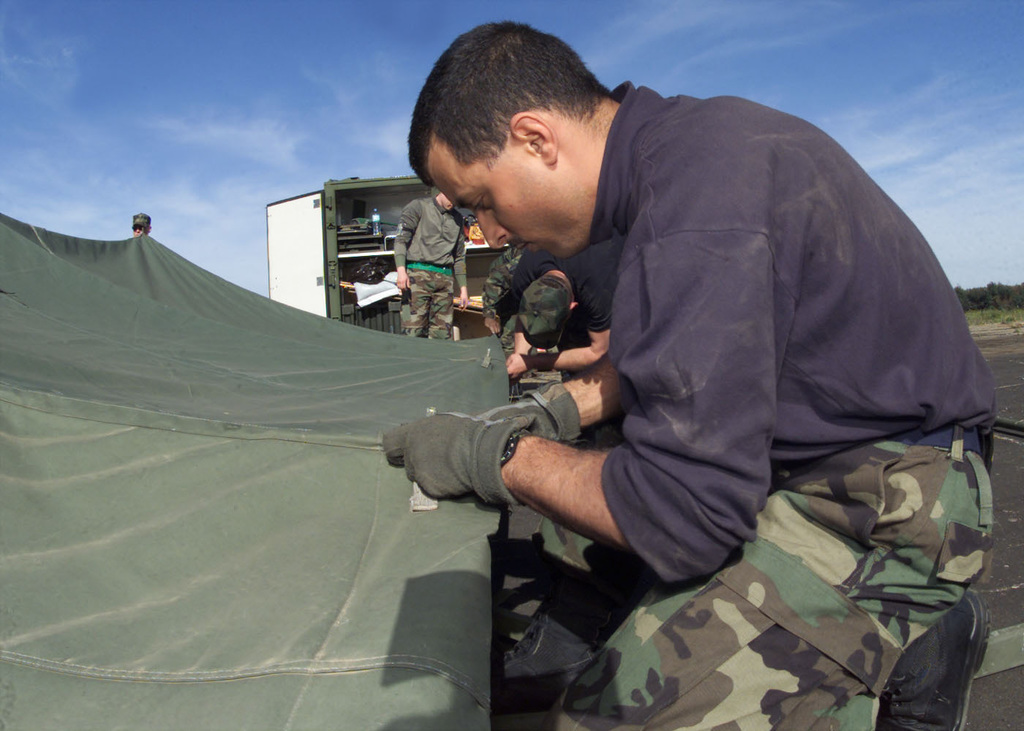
992 297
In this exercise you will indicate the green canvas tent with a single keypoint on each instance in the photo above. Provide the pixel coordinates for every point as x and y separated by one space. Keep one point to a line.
197 525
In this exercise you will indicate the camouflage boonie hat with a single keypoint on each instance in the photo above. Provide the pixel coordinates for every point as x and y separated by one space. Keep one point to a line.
141 220
544 310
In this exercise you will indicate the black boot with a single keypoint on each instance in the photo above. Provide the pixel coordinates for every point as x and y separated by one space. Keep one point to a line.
541 665
929 687
560 642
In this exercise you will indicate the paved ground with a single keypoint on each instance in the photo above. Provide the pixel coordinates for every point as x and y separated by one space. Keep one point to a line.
997 701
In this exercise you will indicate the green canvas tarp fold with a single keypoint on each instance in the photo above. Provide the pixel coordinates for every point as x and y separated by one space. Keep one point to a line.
197 525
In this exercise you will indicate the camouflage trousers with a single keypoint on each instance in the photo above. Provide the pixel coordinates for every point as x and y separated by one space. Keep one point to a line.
431 309
508 336
856 555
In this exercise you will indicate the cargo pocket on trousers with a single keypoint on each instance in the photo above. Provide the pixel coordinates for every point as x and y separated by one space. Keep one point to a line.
966 554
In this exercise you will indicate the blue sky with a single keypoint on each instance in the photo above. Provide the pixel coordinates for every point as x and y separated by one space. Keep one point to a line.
201 112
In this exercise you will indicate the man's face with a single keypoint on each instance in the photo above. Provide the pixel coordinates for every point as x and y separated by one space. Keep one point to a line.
442 200
516 199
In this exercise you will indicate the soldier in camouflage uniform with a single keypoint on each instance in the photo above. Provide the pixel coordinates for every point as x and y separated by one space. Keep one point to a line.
804 408
565 310
834 571
142 224
430 249
499 307
544 309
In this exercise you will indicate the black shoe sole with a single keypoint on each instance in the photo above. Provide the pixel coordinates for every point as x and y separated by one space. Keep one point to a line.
975 654
916 702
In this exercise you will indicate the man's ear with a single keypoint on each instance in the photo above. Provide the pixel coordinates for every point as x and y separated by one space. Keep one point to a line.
535 132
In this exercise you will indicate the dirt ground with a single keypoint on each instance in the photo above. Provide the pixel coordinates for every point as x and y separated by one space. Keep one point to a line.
1000 340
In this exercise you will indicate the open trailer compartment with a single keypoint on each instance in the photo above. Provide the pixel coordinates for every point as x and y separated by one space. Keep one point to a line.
317 240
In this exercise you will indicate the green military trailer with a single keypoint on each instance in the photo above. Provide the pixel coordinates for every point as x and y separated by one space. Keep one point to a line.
317 241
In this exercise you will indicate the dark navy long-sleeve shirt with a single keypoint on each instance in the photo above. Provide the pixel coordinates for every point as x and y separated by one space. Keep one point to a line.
772 304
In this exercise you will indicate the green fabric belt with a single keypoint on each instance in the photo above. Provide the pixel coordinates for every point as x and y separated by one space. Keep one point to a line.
428 267
984 489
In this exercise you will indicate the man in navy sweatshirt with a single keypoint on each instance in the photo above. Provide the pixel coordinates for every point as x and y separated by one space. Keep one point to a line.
805 414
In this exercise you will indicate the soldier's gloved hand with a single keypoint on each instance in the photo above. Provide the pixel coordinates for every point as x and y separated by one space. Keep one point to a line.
551 408
451 455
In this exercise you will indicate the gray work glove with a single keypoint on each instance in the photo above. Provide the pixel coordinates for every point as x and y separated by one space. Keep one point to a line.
552 410
451 455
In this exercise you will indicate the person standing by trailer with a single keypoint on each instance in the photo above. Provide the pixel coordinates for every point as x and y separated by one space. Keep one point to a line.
430 259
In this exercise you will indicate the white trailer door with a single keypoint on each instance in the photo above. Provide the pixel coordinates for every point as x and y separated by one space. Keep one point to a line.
295 253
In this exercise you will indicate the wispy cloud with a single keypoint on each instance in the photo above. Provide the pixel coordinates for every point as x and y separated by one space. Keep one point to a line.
363 126
39 66
945 147
270 142
687 35
950 156
382 146
77 157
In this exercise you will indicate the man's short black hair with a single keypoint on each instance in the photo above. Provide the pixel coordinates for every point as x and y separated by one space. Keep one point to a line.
488 75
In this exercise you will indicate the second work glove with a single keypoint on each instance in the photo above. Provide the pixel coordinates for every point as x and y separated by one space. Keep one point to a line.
552 411
451 455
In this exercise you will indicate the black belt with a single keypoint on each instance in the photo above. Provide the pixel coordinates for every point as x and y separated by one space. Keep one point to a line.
942 438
